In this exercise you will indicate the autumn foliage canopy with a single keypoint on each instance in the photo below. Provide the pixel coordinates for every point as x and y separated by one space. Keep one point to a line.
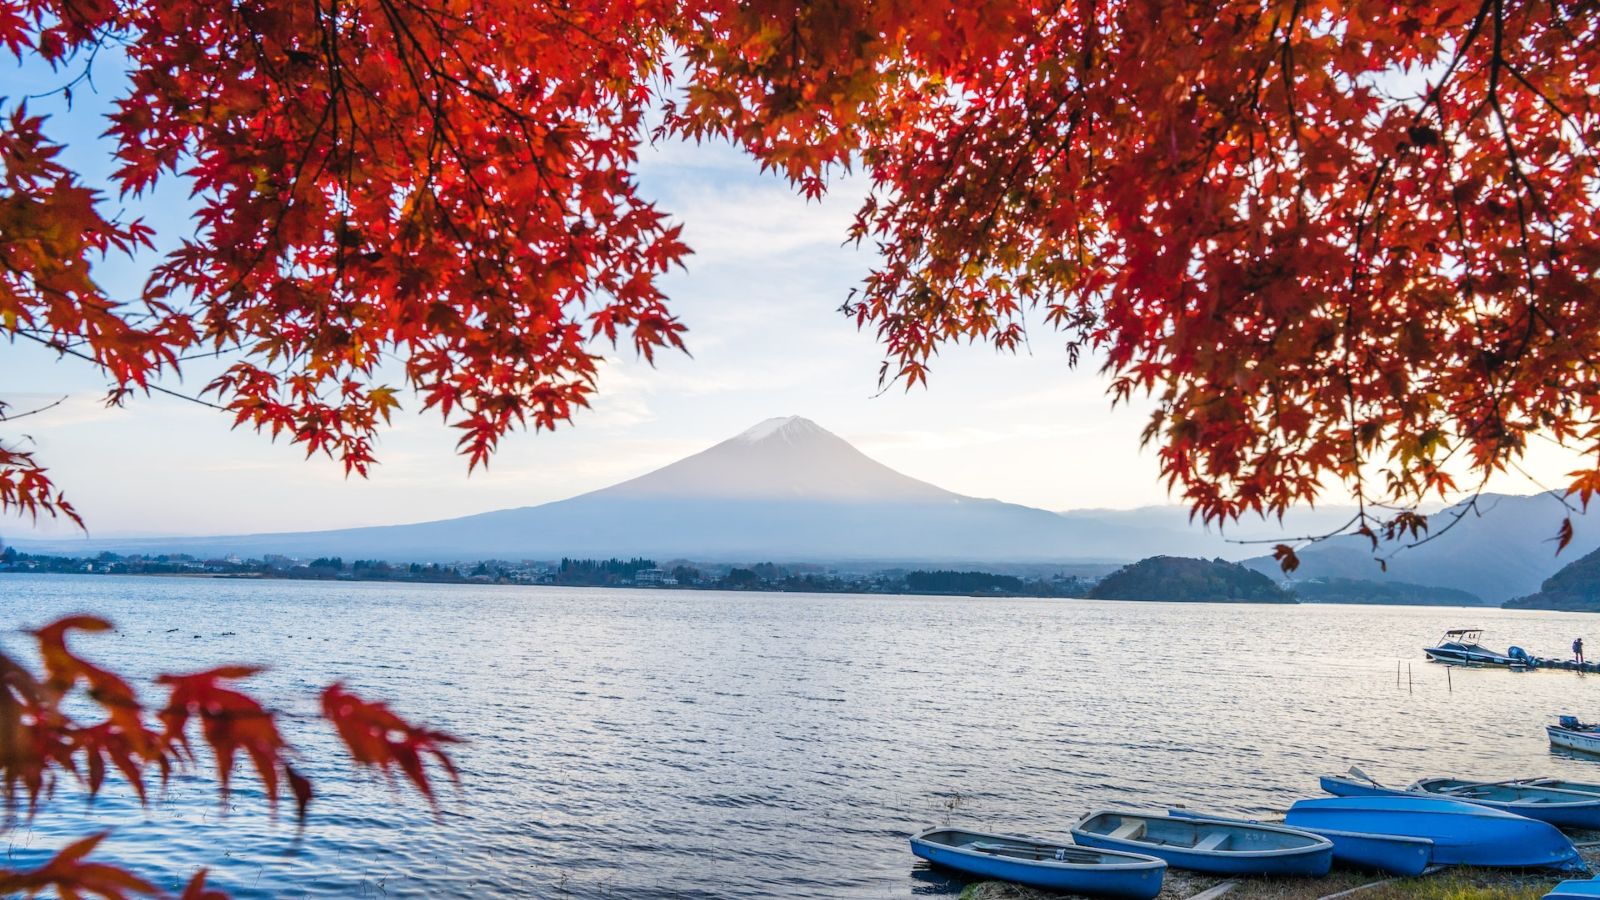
1346 244
1343 245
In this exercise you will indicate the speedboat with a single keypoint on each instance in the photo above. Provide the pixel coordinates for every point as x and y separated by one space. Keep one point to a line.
1573 735
1065 867
1459 646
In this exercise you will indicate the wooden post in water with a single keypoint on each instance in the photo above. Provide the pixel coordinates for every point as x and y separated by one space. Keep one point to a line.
1448 683
1410 687
1397 673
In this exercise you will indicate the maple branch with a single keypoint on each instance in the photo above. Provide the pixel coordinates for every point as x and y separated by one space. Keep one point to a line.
12 417
68 351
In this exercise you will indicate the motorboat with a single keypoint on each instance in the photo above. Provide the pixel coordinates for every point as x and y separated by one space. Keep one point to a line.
1573 735
1208 844
1064 867
1461 647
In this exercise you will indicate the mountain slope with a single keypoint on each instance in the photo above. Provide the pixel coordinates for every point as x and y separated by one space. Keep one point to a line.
785 489
1504 549
1575 588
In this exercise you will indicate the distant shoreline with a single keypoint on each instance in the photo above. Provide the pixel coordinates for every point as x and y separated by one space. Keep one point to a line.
736 590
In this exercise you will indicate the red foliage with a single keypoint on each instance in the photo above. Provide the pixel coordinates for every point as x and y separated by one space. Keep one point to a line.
35 735
378 737
230 722
37 739
72 877
1338 243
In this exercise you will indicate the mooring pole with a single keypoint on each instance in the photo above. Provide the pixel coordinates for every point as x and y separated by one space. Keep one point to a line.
1410 687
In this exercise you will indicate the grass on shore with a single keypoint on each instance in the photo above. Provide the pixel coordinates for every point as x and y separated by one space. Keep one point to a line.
1451 884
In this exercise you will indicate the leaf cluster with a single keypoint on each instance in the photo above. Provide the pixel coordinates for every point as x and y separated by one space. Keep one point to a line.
39 739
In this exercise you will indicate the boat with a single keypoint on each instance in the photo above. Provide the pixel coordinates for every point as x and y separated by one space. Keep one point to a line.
1208 844
1462 833
1575 735
1394 854
1561 784
1568 809
1459 646
1065 867
1575 890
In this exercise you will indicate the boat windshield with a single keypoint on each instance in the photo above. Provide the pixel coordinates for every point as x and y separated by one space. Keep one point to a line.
1462 636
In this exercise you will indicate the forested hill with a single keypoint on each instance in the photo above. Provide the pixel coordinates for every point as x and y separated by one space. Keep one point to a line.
1399 593
1575 588
1192 580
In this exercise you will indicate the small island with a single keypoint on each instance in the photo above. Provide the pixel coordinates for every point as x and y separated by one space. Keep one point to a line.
1576 588
1182 579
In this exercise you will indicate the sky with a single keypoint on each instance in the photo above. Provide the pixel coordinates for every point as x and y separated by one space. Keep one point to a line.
760 297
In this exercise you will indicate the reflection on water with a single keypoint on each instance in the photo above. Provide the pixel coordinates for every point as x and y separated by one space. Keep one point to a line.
688 744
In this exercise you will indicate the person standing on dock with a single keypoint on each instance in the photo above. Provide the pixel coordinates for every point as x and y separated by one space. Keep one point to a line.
1577 649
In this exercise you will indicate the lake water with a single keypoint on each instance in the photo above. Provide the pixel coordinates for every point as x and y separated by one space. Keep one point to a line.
698 744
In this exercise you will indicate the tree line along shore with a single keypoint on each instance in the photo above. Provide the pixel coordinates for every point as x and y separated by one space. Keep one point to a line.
1160 578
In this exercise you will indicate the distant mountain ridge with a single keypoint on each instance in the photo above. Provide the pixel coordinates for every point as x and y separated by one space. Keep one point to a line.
1576 588
1503 548
785 489
788 490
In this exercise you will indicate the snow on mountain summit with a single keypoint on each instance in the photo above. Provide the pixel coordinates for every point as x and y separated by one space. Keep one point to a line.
789 458
787 428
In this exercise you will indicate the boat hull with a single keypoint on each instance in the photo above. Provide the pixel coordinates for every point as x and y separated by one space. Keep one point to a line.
1586 741
1252 848
1462 833
1121 875
1392 853
1468 658
1567 809
1580 811
1575 890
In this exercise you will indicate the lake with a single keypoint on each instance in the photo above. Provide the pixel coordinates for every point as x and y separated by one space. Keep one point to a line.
700 744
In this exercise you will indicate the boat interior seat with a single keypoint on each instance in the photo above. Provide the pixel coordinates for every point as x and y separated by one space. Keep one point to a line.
1211 840
1129 830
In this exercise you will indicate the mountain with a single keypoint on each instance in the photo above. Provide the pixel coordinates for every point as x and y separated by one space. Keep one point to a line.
1576 588
1386 593
1180 579
786 489
1170 530
789 490
1502 548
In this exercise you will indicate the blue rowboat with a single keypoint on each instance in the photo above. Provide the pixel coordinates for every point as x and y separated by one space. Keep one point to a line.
1205 844
1392 853
1396 854
1581 787
1462 833
1575 890
1063 867
1568 809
